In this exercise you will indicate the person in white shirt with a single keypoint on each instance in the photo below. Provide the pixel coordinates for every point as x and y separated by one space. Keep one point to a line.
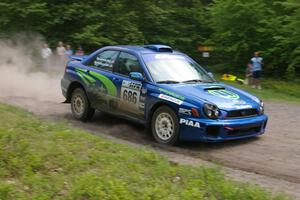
46 54
257 63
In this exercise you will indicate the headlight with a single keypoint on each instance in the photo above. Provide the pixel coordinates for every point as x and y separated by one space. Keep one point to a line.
262 107
211 111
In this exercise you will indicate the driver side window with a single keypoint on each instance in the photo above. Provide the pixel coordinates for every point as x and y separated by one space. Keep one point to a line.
127 63
104 60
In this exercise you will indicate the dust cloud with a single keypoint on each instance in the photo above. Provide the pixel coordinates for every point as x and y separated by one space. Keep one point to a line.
22 73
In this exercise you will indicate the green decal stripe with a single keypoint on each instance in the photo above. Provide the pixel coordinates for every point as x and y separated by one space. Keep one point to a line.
212 92
91 79
172 94
231 94
224 93
80 70
109 85
83 78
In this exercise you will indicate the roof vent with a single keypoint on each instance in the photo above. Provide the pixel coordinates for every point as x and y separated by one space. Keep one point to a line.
159 48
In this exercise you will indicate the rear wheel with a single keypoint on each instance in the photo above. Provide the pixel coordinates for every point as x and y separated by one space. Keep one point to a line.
80 105
164 126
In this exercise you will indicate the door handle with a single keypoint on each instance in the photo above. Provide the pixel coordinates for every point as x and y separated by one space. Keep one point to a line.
87 71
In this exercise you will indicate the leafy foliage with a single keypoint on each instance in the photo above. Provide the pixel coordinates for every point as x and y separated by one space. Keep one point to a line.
235 28
241 27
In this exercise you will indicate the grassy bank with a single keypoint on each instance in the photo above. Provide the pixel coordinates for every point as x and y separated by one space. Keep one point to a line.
282 91
41 160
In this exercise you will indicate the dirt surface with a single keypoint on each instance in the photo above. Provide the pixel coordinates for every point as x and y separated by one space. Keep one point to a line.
272 160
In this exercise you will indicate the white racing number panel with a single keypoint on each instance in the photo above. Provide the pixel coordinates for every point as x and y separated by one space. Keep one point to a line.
130 95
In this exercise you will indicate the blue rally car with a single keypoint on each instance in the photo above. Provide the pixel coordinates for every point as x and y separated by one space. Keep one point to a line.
165 90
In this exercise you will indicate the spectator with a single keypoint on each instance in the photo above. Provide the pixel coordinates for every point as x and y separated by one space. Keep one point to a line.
79 52
257 63
248 75
61 52
69 51
46 54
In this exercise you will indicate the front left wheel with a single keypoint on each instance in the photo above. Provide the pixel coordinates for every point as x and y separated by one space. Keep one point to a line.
80 105
164 126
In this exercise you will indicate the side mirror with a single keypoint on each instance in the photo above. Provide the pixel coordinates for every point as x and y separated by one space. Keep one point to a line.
136 76
210 74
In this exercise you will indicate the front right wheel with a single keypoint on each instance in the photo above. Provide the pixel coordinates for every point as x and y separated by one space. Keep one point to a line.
164 126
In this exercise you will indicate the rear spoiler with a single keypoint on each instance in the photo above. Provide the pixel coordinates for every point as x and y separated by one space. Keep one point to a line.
78 58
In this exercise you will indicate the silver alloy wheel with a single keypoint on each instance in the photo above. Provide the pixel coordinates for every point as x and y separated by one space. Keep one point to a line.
78 104
164 126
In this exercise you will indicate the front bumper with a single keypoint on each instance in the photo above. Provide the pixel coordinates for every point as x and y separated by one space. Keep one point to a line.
221 130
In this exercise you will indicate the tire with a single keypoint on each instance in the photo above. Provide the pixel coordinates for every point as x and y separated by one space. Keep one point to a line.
80 105
165 126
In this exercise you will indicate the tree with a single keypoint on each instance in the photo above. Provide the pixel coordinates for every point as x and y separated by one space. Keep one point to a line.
236 29
24 15
290 38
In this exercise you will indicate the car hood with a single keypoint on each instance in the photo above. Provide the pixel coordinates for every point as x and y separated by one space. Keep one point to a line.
224 96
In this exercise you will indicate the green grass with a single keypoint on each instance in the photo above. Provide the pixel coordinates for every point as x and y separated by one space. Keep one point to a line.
282 91
42 160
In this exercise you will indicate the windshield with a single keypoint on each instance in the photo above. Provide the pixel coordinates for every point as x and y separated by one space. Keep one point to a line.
168 68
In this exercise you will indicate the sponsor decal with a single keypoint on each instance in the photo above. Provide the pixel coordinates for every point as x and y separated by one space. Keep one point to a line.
169 98
108 84
130 92
103 62
242 106
224 94
173 94
91 77
235 106
189 123
185 111
132 85
84 77
239 102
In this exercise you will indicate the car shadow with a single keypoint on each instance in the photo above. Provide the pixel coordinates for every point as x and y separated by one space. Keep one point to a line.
104 123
